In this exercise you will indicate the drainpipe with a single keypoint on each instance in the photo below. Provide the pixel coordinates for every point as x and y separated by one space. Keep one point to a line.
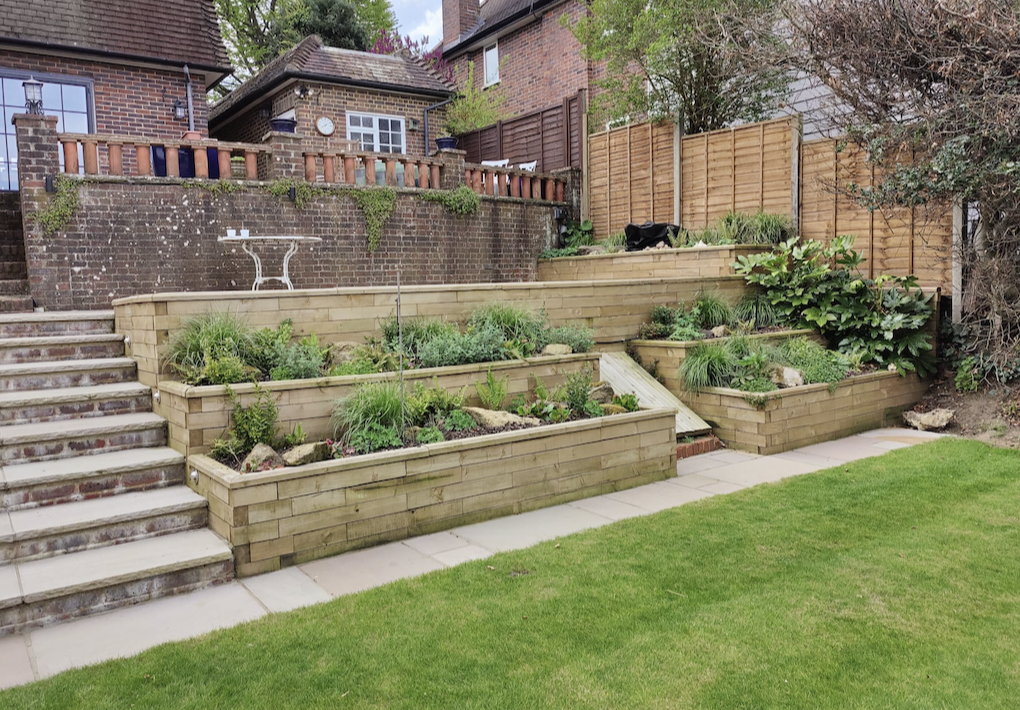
191 103
426 121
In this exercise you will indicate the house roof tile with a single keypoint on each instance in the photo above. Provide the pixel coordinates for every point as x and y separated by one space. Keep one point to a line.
491 15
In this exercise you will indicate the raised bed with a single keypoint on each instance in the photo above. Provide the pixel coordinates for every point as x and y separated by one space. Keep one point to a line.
289 516
788 419
663 357
198 416
702 262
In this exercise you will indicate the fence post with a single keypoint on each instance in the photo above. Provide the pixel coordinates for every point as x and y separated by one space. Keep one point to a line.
796 131
678 172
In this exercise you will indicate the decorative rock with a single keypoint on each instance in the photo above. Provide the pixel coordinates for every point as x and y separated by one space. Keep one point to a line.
306 453
720 331
495 419
557 349
935 419
787 377
340 352
602 393
608 409
261 458
591 250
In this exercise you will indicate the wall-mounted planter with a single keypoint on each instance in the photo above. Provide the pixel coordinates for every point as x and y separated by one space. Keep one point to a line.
197 416
663 357
289 516
800 416
704 262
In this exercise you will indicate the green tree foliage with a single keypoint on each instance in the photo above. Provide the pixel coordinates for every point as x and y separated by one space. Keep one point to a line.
684 60
338 22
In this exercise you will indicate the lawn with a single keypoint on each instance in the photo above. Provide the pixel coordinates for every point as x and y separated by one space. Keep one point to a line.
891 582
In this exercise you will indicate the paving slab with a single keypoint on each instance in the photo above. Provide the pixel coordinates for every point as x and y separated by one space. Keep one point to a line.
659 496
731 456
459 555
763 470
694 480
286 590
435 543
364 569
515 532
722 488
15 664
853 448
891 445
130 630
609 507
698 464
901 433
811 459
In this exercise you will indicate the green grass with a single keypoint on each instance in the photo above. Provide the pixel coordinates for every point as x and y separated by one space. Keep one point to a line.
887 583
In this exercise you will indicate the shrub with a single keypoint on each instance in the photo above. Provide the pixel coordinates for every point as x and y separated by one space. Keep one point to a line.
577 389
755 310
518 324
227 370
353 367
654 331
766 228
430 435
578 336
300 361
458 420
268 344
295 438
707 365
425 405
251 425
205 339
375 403
816 362
557 253
684 332
592 409
665 315
579 234
966 376
627 401
375 437
493 392
415 332
711 311
619 239
481 344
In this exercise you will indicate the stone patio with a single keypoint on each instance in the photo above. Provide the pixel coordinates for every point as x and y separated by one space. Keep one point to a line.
44 652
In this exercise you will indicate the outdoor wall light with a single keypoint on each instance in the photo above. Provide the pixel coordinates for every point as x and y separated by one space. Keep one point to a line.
33 96
303 92
180 110
194 476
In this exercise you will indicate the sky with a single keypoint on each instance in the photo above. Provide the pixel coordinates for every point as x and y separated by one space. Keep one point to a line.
420 18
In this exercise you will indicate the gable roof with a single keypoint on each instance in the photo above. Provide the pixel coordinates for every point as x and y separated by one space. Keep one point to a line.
313 61
173 32
493 16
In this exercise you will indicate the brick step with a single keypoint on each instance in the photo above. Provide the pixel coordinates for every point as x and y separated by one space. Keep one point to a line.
13 287
29 485
12 250
60 374
14 269
25 407
16 304
47 348
53 530
42 441
55 322
54 589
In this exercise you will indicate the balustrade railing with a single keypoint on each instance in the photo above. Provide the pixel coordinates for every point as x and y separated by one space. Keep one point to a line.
161 157
364 168
514 182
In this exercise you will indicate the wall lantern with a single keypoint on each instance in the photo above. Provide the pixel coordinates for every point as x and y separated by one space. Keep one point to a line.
33 95
180 111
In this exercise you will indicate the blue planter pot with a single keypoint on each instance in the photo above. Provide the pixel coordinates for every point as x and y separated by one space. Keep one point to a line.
283 125
447 143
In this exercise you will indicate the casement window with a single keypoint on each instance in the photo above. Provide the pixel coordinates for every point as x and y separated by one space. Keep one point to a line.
376 133
67 98
491 61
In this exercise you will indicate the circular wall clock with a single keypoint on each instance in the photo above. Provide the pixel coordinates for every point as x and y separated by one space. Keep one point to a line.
325 125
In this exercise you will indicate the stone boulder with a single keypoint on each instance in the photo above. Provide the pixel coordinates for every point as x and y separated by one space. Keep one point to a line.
262 458
720 331
933 420
591 250
306 453
602 393
557 349
340 352
497 419
787 377
608 409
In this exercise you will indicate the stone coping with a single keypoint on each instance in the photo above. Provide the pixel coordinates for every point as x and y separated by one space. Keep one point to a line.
755 336
184 390
424 288
678 251
232 479
776 395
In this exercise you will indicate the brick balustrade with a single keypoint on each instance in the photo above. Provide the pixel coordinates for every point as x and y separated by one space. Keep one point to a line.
511 182
344 167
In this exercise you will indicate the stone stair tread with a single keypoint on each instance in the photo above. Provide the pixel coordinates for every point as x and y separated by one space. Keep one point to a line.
34 341
10 588
55 577
54 519
72 394
42 472
56 316
30 368
43 431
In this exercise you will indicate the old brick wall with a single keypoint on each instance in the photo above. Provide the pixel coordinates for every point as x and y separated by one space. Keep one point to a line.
144 236
540 63
11 239
128 100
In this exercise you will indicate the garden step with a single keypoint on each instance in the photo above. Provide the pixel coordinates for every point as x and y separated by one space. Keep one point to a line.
55 323
59 374
13 270
15 304
92 581
23 407
61 529
13 287
72 346
37 483
40 441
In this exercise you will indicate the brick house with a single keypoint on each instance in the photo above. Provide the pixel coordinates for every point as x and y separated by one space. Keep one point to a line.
520 46
334 94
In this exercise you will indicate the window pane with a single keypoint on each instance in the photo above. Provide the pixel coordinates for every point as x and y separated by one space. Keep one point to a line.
51 96
384 124
76 123
13 172
367 121
14 93
3 149
12 149
355 121
491 65
74 98
4 183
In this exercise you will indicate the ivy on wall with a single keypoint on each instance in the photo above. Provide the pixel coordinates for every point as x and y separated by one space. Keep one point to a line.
460 202
61 207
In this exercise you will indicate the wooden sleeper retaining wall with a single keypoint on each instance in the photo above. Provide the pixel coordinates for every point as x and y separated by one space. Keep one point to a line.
695 262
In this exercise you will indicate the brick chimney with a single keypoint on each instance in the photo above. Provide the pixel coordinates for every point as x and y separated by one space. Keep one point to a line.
458 17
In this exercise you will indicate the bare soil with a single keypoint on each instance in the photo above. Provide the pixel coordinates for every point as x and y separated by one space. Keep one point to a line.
991 415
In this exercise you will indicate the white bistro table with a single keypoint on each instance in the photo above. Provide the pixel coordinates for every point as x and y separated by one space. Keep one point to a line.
245 240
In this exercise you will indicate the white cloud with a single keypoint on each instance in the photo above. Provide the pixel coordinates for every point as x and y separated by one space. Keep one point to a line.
431 26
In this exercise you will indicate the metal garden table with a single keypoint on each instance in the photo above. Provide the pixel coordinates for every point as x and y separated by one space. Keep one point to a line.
246 240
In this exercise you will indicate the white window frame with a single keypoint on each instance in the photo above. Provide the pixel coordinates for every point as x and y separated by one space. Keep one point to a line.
375 129
485 65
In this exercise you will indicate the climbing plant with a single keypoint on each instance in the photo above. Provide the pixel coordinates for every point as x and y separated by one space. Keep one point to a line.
377 204
61 207
303 191
460 202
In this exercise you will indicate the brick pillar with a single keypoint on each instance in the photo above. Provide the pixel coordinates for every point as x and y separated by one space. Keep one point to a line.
288 157
38 157
572 193
452 174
